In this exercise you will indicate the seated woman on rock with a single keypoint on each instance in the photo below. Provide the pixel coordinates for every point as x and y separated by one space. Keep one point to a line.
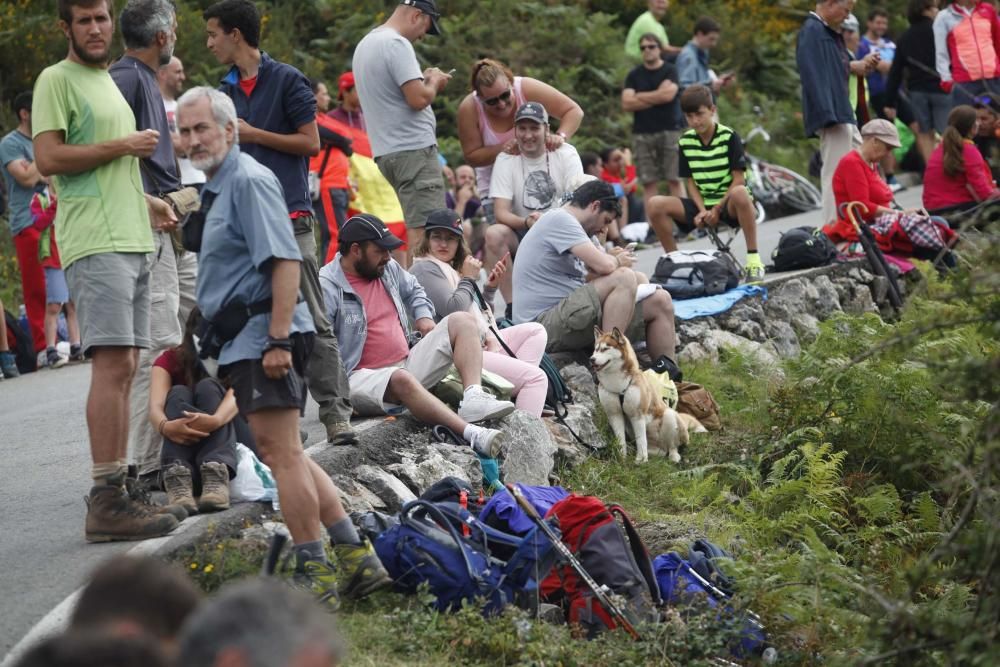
957 177
448 272
200 424
911 232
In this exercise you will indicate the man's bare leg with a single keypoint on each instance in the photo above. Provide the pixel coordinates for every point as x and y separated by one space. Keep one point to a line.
649 190
662 211
739 205
331 510
277 434
616 292
107 402
658 314
466 347
676 188
404 389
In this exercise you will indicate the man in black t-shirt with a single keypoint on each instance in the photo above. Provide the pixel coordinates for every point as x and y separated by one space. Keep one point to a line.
651 94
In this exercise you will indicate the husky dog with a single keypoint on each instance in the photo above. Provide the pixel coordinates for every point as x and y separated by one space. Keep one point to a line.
625 393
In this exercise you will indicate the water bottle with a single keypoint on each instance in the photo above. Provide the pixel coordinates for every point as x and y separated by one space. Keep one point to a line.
770 655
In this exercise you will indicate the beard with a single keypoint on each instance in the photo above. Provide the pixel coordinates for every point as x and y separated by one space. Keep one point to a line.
369 270
167 54
208 162
81 53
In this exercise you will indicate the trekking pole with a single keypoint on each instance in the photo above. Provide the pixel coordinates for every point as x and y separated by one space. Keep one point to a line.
872 251
600 592
278 540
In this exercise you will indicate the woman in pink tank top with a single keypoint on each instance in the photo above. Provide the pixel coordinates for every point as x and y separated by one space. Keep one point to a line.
486 116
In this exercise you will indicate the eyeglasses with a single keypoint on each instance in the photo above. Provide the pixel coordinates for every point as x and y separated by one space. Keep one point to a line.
649 47
502 97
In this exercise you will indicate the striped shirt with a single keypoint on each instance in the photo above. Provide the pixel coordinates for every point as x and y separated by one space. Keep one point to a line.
711 165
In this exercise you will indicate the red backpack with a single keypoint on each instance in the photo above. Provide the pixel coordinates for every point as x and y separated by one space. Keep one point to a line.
608 546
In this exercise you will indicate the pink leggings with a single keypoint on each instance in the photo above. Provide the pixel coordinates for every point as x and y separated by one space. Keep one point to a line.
527 341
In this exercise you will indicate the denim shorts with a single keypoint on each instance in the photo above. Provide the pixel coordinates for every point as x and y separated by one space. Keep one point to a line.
931 110
56 290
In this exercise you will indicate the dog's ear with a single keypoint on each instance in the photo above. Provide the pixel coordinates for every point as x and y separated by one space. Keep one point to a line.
617 333
597 332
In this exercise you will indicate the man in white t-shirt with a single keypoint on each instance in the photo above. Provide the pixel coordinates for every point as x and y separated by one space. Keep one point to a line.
526 185
171 78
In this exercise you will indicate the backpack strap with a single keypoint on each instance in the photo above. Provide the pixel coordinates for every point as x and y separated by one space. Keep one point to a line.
639 552
410 517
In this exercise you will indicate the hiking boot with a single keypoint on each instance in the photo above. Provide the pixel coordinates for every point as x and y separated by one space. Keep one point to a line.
319 580
139 493
53 359
341 433
214 487
477 406
180 491
361 571
754 270
113 516
487 442
665 364
76 352
8 365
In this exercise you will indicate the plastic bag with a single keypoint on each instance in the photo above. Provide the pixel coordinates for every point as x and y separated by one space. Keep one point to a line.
254 481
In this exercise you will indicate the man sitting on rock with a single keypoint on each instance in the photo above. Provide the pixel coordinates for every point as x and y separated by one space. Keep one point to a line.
370 299
565 282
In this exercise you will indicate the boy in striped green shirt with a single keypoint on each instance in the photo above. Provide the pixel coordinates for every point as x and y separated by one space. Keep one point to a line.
713 161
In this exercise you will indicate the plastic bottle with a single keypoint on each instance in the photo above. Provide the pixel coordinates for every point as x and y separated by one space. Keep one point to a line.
770 655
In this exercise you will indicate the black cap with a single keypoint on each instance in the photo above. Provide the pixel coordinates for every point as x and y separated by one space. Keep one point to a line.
428 7
444 218
366 227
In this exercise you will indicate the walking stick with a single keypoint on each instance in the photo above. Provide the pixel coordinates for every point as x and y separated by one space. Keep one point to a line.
872 251
601 592
278 540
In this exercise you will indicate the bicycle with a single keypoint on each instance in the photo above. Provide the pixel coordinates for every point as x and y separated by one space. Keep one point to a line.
777 190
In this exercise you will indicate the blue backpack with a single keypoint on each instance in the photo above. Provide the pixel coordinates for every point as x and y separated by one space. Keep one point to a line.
452 551
681 585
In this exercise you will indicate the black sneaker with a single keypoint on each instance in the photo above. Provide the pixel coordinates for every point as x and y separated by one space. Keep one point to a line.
665 364
53 359
76 352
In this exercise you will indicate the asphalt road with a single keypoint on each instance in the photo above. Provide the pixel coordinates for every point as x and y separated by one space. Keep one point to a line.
45 466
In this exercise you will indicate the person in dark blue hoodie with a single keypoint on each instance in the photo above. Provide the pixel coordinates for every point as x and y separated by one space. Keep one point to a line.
824 68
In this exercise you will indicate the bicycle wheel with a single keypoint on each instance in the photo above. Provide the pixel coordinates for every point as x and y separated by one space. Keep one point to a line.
796 192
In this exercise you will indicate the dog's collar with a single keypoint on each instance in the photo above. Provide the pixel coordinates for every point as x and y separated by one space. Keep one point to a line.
621 394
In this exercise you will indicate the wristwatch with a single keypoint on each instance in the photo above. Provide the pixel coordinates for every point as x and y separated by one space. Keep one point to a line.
280 343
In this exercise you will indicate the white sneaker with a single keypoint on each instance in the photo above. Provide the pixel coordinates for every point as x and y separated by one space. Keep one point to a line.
477 406
487 442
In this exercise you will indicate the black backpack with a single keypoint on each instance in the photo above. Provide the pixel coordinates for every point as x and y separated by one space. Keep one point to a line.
21 345
688 274
803 248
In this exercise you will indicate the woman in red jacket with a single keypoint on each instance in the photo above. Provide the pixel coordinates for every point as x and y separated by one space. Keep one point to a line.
957 177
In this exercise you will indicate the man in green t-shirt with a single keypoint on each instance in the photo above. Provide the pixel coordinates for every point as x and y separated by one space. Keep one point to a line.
649 23
85 140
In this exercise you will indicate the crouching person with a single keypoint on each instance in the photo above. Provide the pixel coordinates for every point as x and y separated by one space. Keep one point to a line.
248 285
200 424
569 285
370 299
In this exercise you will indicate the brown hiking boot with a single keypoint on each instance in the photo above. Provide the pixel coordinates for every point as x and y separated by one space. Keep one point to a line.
113 516
214 487
139 493
341 433
177 482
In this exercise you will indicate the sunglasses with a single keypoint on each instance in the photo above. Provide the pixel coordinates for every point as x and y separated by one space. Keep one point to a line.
649 47
502 97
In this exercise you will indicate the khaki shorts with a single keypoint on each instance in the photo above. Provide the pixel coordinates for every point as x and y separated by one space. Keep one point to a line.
570 324
417 178
111 292
657 156
429 361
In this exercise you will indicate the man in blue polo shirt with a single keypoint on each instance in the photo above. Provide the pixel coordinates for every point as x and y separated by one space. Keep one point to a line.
277 112
248 255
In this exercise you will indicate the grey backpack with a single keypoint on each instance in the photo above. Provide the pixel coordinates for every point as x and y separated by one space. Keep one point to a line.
688 274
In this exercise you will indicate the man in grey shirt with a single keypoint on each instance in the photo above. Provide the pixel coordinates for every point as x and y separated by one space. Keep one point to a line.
566 283
396 99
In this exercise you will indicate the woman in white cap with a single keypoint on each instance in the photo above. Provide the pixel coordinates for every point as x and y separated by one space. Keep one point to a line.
448 272
910 232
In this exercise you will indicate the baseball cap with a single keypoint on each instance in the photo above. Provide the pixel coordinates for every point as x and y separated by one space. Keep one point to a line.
366 227
428 7
444 218
346 82
882 129
532 111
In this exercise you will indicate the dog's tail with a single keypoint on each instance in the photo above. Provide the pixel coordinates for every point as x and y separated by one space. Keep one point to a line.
690 423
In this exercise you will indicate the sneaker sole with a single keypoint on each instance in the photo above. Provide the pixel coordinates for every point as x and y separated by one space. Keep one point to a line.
495 414
109 537
496 446
358 592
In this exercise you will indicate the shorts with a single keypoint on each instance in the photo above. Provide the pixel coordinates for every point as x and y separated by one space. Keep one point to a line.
417 178
111 291
429 361
488 213
691 211
657 156
56 290
570 323
930 110
255 391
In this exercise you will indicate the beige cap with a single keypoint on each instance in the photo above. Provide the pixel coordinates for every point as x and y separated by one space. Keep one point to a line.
882 129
